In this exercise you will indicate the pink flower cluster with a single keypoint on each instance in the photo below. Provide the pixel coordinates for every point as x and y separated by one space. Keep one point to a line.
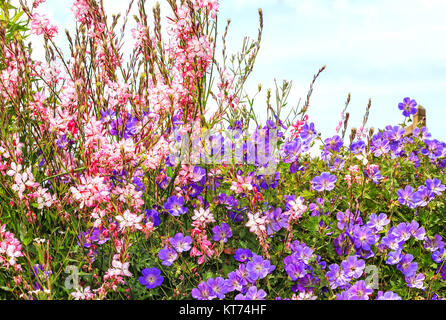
10 249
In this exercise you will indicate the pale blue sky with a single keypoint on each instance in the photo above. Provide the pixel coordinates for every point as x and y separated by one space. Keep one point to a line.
382 49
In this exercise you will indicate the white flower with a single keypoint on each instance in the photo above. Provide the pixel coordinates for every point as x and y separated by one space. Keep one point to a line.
121 269
130 220
82 293
255 222
202 217
14 169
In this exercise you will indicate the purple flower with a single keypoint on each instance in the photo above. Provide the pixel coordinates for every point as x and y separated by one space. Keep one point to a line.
276 221
151 278
394 257
337 164
203 292
337 276
343 219
357 147
168 256
379 145
258 268
353 267
242 255
181 243
435 186
308 131
131 128
98 236
255 294
406 266
388 295
392 242
402 232
439 255
242 272
301 252
115 124
334 143
291 150
296 270
222 232
359 291
139 184
394 134
175 206
218 287
107 116
153 216
415 281
198 175
325 181
62 142
406 196
433 244
415 231
364 237
342 244
84 239
344 295
377 223
235 282
240 297
408 106
423 196
433 150
374 174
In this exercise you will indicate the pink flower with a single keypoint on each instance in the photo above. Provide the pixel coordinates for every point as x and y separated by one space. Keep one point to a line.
40 25
80 10
296 208
36 3
242 184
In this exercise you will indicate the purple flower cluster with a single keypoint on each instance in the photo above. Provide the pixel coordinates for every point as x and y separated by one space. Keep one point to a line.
395 240
423 195
243 279
178 244
299 266
252 294
341 276
358 291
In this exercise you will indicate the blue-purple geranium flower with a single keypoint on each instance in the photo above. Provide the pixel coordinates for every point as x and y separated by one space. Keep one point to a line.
151 278
325 181
408 106
222 232
175 206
